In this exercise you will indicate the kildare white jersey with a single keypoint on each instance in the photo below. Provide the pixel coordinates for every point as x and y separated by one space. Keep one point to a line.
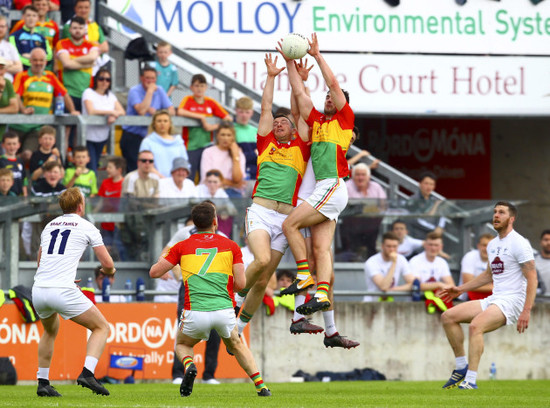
376 265
63 242
409 245
505 256
428 271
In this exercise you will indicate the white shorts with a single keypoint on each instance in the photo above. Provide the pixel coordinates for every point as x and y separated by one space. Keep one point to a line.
261 218
198 325
68 302
511 306
330 197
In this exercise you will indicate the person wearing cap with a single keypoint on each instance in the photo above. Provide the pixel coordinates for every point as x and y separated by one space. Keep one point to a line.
8 99
177 186
8 51
165 144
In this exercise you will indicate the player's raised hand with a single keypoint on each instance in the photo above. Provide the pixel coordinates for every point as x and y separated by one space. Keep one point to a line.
280 49
313 45
271 65
303 69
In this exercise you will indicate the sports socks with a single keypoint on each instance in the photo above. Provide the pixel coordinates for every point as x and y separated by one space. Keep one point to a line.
239 300
242 294
461 362
90 363
43 373
244 318
299 300
471 376
322 290
258 381
330 326
241 325
186 361
303 269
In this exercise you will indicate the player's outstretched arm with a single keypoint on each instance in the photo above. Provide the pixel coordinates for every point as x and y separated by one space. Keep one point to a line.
529 271
160 268
266 116
301 125
104 258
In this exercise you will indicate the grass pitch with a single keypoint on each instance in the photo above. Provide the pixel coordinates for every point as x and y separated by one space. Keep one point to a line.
532 394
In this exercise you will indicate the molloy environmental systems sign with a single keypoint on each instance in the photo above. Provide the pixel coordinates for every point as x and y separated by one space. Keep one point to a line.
508 27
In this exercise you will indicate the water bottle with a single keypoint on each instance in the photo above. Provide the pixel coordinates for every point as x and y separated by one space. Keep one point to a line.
128 286
89 282
106 289
140 290
416 296
59 105
493 372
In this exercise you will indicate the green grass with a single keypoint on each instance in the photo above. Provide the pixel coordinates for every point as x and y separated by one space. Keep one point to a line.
499 394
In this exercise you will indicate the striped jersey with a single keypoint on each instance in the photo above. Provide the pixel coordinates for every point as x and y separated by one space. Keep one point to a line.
281 167
75 80
330 142
196 137
206 262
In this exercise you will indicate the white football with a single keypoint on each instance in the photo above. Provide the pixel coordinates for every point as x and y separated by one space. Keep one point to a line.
295 46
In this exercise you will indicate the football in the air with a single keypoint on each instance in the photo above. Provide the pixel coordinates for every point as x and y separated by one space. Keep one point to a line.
295 46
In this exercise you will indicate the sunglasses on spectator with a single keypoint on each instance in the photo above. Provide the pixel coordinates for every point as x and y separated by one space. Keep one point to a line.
146 160
104 79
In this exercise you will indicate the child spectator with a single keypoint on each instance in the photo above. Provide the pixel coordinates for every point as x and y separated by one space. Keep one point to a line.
6 183
81 176
45 25
167 73
9 160
246 135
50 184
46 152
198 106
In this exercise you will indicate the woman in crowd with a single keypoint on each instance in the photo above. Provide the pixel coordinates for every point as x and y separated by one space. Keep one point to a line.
227 157
163 141
100 100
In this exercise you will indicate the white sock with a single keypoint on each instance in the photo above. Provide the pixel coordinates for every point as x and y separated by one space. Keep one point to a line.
330 326
90 363
471 376
299 300
241 325
43 373
239 300
460 363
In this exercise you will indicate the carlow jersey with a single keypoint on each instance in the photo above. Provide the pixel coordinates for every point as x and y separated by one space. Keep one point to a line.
330 142
86 182
281 167
196 137
206 262
62 244
75 80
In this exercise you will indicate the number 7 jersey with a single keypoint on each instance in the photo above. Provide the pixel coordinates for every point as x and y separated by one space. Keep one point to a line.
206 262
62 244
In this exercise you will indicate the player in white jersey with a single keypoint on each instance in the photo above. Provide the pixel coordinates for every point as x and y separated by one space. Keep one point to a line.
511 268
54 292
384 270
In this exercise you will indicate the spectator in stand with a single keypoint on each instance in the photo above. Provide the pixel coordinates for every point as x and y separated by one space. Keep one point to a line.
27 38
383 271
142 182
100 100
361 186
51 184
8 51
199 106
177 186
46 152
8 98
473 264
163 141
227 157
99 278
37 89
75 58
246 135
81 176
408 246
6 183
144 99
53 5
94 32
45 26
9 160
212 189
111 190
167 73
423 202
542 261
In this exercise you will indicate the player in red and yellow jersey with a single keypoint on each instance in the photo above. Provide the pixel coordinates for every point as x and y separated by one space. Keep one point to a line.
331 136
211 267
